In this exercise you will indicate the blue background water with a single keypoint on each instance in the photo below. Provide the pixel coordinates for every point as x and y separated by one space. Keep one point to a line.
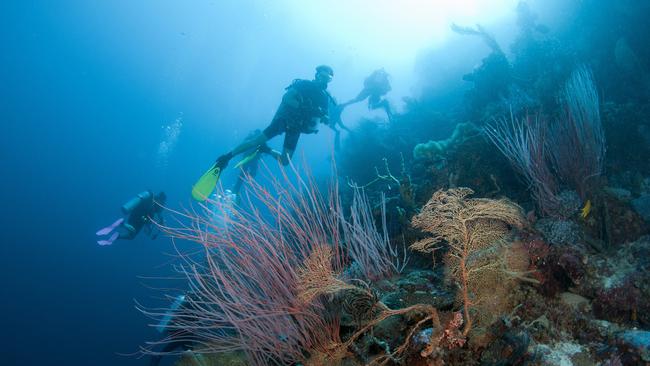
86 88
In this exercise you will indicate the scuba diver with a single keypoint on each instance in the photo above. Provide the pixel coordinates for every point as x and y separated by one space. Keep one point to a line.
375 86
141 211
492 77
304 105
178 329
173 336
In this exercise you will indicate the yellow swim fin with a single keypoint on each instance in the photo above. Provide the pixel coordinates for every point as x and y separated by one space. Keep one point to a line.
206 184
247 159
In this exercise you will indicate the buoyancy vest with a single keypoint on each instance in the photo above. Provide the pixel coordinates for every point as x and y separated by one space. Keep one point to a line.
377 82
314 99
314 103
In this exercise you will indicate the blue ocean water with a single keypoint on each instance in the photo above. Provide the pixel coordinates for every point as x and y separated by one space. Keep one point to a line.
101 100
87 91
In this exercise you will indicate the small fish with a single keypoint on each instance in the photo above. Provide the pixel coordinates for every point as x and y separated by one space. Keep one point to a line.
586 209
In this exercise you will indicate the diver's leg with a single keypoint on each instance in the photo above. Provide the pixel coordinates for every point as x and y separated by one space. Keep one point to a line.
128 233
237 187
132 228
223 160
287 154
248 172
386 107
259 139
283 157
107 230
289 147
276 127
374 102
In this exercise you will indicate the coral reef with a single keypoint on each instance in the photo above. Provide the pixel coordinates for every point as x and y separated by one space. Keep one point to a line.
437 151
472 228
399 266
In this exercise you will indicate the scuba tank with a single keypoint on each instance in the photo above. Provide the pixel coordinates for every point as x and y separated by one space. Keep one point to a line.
164 322
134 202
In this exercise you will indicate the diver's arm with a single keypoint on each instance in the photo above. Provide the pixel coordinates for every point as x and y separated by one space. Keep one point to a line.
151 228
365 93
161 220
156 218
158 224
154 234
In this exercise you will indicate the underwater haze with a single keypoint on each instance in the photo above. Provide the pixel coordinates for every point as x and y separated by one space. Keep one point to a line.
102 100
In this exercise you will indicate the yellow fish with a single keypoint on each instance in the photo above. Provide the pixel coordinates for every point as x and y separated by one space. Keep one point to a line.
586 210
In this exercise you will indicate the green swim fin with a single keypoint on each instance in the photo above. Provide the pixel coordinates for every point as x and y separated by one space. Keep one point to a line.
247 159
206 184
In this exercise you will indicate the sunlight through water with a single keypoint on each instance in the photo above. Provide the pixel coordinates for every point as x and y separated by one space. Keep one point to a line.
394 29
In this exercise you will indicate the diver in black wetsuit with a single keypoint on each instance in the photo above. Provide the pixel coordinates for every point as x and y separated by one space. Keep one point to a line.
375 86
303 107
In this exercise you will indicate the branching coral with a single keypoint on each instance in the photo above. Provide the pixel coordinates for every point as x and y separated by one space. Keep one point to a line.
571 151
257 282
577 141
249 290
523 143
437 150
317 277
371 250
469 227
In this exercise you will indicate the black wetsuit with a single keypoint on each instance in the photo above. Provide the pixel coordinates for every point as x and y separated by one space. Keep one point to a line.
141 215
375 86
294 121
